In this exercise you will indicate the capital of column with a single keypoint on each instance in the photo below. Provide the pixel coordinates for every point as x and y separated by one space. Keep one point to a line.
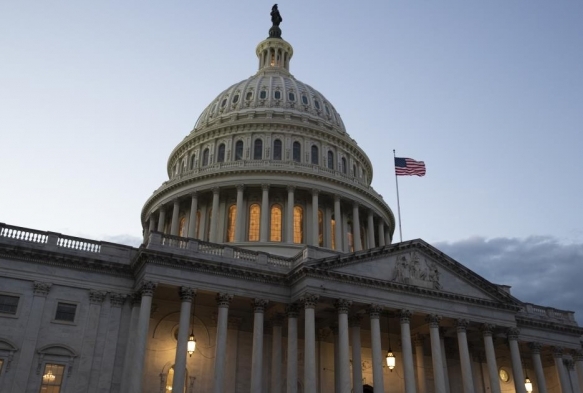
42 288
315 191
117 299
224 299
147 288
535 347
487 329
557 352
240 187
292 310
355 205
462 325
194 194
433 320
578 355
336 198
215 190
343 306
291 188
405 316
310 300
136 298
570 364
265 187
96 297
418 339
277 319
259 305
513 333
374 311
354 321
186 294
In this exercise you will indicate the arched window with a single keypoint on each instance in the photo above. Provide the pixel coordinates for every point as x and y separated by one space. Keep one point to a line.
239 150
170 380
258 149
320 228
343 165
205 157
298 224
182 227
333 234
330 159
254 222
297 152
315 155
221 153
354 170
192 161
276 227
231 223
277 150
350 237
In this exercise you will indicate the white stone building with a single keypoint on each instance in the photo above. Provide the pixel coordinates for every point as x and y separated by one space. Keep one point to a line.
270 248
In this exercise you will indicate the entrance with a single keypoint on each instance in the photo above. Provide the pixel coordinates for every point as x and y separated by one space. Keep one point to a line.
367 389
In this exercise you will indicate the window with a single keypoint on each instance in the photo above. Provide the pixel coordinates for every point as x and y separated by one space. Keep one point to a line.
224 103
239 150
182 227
354 170
304 99
315 154
192 161
291 96
8 304
343 165
231 223
249 95
327 110
263 94
277 149
317 104
277 95
205 157
333 229
52 378
320 228
298 224
297 152
330 160
65 312
221 153
276 228
236 98
254 222
258 149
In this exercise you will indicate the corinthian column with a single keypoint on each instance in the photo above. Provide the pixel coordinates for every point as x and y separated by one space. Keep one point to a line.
192 220
338 224
356 228
223 301
438 378
561 372
578 358
465 361
175 218
405 319
289 214
257 354
139 357
265 213
343 306
276 376
186 295
381 229
213 237
419 340
161 218
292 312
374 312
570 365
239 230
538 367
354 323
491 357
516 360
370 231
310 301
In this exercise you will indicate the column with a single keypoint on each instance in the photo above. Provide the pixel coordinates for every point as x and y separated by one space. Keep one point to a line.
561 371
419 341
354 323
343 307
516 360
334 329
338 225
537 364
32 325
186 296
374 311
356 228
223 301
135 300
265 213
405 319
138 359
192 220
239 227
215 216
381 232
444 359
151 226
310 301
345 242
116 301
438 378
578 358
491 357
570 365
276 375
328 235
161 218
257 354
292 312
387 238
289 214
315 223
371 242
465 360
175 218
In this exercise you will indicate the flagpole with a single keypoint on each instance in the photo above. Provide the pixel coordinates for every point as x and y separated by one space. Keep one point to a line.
398 203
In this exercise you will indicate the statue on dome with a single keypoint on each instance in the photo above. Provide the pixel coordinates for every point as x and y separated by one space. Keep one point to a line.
276 18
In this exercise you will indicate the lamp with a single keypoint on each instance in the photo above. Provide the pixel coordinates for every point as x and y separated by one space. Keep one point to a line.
528 385
390 357
191 344
49 376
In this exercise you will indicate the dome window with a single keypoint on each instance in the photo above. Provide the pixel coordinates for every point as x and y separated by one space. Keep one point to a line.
330 159
304 99
291 96
258 149
224 103
249 95
297 152
277 95
315 155
277 150
263 94
327 110
344 165
317 104
205 157
221 154
236 98
239 151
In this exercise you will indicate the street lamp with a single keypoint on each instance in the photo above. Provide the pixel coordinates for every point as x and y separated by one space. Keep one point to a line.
390 357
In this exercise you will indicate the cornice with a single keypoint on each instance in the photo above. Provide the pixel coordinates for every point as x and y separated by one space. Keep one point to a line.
548 325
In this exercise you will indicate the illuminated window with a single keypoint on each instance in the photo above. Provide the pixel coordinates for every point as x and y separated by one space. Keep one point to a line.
205 157
254 222
330 160
343 165
52 378
182 227
297 152
258 149
320 228
197 223
315 155
277 150
239 150
170 380
298 224
350 238
221 153
333 228
208 224
231 223
276 227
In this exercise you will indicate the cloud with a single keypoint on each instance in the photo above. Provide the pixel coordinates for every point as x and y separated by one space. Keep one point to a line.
128 240
540 269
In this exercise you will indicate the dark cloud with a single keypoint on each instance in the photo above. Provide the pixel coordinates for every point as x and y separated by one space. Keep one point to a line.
540 269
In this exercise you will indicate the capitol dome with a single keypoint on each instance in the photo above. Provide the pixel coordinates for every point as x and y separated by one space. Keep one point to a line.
271 156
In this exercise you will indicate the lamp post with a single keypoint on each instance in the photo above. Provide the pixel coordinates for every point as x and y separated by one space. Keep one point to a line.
390 357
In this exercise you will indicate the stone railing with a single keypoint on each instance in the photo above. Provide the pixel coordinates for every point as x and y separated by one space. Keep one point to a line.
23 234
548 313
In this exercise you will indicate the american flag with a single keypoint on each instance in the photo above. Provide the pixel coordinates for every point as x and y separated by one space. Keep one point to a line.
409 167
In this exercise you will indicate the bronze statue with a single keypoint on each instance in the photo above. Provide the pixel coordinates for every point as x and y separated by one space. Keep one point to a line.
276 18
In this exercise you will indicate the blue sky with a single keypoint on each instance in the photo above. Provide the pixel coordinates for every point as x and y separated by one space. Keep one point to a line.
95 95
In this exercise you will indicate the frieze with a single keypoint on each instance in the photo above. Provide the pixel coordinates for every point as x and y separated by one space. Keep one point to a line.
411 269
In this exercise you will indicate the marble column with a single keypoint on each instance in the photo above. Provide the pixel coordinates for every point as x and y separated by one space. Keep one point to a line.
338 225
161 218
561 371
444 359
578 358
419 341
343 307
487 330
570 366
387 238
289 214
409 371
135 300
374 312
116 301
223 301
174 227
465 360
265 214
257 353
239 227
310 301
381 233
139 358
292 312
356 228
516 360
151 227
213 236
186 296
438 378
537 364
370 219
354 323
276 375
315 223
192 219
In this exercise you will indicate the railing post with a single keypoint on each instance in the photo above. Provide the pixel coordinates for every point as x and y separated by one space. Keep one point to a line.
155 239
229 252
52 239
192 245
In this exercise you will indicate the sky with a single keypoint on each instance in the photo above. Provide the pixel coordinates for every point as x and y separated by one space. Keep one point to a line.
95 95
